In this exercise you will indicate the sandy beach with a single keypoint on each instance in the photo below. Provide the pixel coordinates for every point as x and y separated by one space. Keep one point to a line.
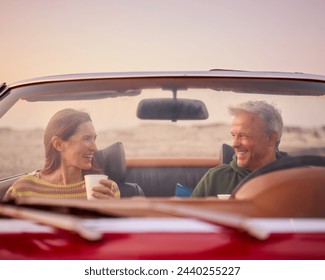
22 150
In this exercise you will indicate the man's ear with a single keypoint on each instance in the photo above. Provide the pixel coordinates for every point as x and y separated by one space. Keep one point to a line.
275 139
57 143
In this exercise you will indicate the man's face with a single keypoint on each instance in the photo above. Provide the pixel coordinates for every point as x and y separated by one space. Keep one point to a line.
252 146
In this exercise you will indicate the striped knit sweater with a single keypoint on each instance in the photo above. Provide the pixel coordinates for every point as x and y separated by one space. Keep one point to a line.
32 186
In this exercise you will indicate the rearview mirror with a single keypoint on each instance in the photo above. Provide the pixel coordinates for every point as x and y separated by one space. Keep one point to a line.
172 109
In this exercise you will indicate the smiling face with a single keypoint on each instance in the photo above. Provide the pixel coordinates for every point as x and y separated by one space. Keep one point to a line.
78 151
253 147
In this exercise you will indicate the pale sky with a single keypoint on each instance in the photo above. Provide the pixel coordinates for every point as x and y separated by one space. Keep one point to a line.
45 37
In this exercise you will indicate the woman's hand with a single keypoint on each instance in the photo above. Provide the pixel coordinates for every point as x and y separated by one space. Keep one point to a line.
109 190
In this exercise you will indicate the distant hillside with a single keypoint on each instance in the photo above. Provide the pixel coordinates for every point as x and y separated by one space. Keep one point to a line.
22 150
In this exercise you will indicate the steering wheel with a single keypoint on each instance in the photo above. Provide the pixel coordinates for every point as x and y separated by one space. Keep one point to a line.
279 164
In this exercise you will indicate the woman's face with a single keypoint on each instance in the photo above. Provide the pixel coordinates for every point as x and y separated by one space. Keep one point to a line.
78 151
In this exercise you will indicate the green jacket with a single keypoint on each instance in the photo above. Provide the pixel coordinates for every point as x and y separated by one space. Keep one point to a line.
221 179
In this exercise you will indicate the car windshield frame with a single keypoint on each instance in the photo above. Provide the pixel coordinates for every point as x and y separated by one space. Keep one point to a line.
103 85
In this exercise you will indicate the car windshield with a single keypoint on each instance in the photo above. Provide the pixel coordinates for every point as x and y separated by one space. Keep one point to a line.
115 119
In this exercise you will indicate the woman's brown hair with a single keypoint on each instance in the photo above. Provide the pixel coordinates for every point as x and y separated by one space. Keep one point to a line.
63 124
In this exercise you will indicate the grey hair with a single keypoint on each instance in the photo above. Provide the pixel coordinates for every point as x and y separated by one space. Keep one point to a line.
269 114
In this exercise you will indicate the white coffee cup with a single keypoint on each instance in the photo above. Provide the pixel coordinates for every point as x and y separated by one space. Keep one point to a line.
92 180
224 196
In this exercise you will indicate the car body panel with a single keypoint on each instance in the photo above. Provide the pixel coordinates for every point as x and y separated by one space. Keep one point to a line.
226 244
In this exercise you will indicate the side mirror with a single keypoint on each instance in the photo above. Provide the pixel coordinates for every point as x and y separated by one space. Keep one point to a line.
172 109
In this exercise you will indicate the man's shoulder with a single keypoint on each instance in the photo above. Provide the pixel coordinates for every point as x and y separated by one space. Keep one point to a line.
222 168
226 172
216 180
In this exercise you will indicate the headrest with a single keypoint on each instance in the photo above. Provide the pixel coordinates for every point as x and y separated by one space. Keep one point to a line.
112 160
226 153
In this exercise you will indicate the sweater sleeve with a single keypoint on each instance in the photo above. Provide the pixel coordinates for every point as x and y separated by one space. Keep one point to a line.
9 195
218 180
14 191
205 186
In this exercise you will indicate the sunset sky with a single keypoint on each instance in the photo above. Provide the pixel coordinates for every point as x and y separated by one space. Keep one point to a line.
40 38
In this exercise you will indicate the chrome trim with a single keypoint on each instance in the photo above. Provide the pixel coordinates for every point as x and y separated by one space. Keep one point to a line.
212 73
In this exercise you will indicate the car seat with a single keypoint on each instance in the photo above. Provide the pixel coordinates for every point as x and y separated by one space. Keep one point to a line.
226 153
112 160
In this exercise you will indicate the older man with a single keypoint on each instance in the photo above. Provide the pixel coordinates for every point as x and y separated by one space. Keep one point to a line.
256 131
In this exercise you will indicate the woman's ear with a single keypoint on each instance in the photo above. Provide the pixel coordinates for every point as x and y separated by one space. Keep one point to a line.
57 143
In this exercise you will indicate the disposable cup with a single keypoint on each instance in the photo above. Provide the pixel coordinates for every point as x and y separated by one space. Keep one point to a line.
92 180
224 196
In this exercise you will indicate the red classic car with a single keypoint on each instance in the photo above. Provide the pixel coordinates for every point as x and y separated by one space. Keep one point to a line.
158 133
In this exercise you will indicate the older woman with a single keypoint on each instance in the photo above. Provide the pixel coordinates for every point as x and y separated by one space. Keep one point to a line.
69 141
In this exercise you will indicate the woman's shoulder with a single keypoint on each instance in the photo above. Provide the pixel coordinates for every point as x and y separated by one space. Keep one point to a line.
35 173
25 181
28 177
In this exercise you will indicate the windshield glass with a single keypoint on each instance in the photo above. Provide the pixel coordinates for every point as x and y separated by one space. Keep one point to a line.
22 127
